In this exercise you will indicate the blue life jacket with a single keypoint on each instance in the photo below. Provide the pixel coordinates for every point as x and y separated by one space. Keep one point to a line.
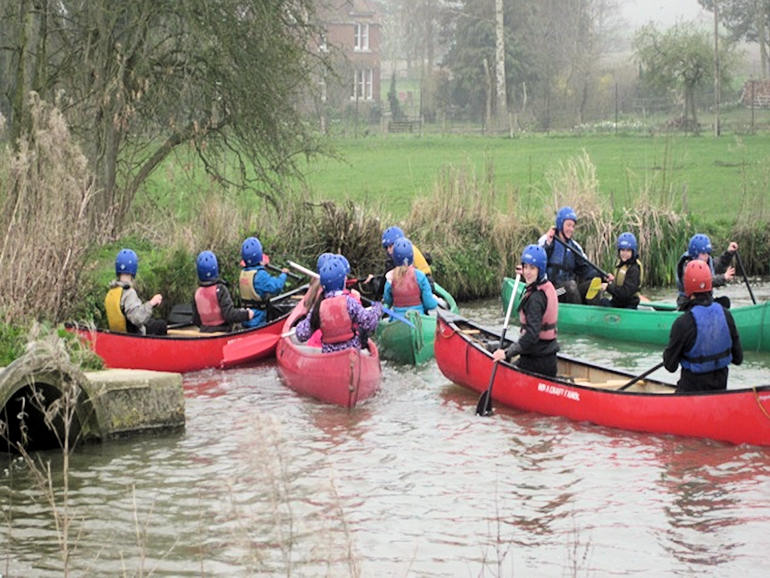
561 263
713 345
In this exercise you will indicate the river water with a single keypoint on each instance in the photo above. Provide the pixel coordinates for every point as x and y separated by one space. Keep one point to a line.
412 483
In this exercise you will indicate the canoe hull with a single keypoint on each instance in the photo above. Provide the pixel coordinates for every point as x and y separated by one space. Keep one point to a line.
650 326
344 378
736 416
183 354
403 344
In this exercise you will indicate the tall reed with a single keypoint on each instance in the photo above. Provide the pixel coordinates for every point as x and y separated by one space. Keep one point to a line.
47 224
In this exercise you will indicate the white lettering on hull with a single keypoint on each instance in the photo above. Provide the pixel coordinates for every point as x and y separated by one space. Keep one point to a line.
558 391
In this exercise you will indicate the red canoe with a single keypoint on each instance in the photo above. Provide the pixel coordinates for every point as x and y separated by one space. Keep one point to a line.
186 349
587 392
344 377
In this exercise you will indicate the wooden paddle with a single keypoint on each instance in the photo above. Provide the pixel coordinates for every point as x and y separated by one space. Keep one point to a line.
385 310
746 279
641 376
484 406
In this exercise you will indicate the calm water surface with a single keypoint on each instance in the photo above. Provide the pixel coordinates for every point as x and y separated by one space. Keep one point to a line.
412 483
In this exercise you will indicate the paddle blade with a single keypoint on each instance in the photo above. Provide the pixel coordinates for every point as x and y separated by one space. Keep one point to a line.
593 288
484 406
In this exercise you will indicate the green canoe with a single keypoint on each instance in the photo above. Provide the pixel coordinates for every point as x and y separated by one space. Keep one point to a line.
651 323
399 342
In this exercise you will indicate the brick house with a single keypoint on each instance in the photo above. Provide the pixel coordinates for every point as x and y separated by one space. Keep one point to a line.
353 33
756 92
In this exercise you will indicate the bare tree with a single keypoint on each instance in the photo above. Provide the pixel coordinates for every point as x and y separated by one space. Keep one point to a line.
139 79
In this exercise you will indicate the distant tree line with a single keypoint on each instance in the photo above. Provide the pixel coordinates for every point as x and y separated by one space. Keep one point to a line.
562 66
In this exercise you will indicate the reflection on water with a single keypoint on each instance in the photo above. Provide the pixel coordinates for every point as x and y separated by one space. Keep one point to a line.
412 483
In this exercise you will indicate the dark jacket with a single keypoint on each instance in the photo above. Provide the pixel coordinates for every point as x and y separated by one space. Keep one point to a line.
529 343
682 338
626 295
230 314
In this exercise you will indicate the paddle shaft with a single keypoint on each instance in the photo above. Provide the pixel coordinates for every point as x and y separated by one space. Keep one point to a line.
583 257
642 376
746 279
484 406
279 270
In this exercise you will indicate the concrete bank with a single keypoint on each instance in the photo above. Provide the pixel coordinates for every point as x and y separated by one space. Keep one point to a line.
42 396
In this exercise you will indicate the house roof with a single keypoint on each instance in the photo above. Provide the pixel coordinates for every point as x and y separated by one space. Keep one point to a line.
336 10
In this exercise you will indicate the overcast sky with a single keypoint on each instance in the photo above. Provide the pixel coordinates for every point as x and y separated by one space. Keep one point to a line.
662 12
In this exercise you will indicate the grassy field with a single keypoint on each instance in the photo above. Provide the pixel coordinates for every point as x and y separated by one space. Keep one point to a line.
723 178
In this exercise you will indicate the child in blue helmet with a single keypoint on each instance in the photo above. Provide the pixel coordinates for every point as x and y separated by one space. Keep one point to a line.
256 285
699 248
212 306
340 317
126 312
406 287
538 313
422 263
625 285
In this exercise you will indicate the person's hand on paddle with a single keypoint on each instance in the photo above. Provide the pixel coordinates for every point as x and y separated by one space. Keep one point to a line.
251 314
730 273
355 294
284 269
549 235
156 300
368 279
499 355
732 247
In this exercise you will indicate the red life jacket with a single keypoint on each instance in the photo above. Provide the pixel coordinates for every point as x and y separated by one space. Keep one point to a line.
551 314
336 324
208 306
406 293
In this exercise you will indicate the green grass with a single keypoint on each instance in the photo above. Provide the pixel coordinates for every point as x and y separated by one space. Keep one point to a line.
718 175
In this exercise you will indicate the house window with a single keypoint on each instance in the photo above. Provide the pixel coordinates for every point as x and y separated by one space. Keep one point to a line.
361 40
362 85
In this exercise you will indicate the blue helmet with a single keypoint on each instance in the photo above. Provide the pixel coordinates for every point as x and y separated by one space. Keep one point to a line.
390 235
627 241
332 275
403 252
251 252
345 262
208 268
323 258
126 262
535 255
565 214
699 243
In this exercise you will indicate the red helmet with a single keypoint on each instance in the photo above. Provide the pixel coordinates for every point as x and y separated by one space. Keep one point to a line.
697 277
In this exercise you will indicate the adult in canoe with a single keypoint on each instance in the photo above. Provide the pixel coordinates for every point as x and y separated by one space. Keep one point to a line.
703 340
624 288
568 267
538 311
126 312
699 248
339 316
255 284
212 306
406 287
